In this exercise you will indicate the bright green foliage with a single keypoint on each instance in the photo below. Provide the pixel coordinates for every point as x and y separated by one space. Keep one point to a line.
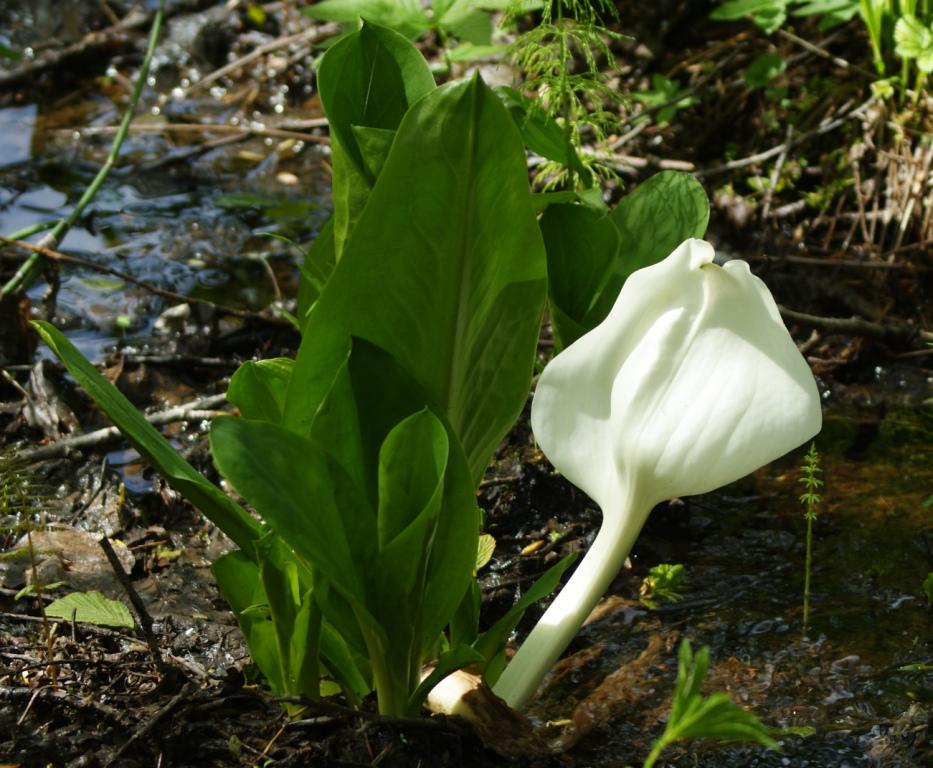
590 253
466 20
764 69
91 608
421 307
371 61
458 296
766 14
663 584
810 498
581 101
694 716
666 95
901 28
155 449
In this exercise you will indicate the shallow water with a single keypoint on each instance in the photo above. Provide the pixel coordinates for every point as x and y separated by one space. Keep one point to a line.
847 675
195 225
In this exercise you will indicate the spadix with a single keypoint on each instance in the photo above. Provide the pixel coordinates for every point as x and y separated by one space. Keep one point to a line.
691 382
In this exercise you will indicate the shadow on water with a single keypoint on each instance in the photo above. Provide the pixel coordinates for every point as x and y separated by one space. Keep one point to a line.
859 676
193 224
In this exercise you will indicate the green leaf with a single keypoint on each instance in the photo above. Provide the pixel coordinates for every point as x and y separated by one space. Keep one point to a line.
91 608
367 82
412 463
768 15
444 270
694 717
406 17
656 217
582 255
665 91
914 40
229 516
590 255
764 69
834 12
238 579
491 644
487 545
9 53
258 388
303 493
316 269
541 132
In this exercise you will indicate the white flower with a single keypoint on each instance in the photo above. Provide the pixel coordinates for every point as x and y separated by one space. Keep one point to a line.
691 382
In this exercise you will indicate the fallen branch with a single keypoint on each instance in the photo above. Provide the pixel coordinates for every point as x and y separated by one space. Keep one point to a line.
785 146
242 131
311 36
856 326
54 255
197 410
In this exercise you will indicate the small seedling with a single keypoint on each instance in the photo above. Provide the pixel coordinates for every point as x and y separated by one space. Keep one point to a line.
714 717
810 499
663 584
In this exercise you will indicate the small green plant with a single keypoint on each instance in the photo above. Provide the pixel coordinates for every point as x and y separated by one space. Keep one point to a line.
694 716
666 96
663 584
810 498
901 29
560 63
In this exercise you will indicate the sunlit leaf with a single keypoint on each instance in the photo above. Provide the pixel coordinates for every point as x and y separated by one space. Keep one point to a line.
91 608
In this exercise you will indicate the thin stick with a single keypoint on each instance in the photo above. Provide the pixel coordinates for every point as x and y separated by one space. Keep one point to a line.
784 146
823 53
239 130
855 325
27 273
53 255
311 35
197 410
776 172
145 620
150 725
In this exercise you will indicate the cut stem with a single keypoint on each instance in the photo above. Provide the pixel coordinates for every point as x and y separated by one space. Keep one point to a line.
563 619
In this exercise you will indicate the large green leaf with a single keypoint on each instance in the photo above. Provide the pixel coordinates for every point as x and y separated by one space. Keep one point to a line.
582 258
407 17
316 268
541 132
258 388
367 82
445 270
229 516
239 581
303 493
371 396
656 217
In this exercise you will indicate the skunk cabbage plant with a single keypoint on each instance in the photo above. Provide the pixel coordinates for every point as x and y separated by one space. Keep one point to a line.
691 382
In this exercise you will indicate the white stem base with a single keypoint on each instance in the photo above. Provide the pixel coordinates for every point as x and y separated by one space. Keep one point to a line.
563 619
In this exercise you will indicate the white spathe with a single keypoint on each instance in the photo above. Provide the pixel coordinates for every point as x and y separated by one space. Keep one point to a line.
691 382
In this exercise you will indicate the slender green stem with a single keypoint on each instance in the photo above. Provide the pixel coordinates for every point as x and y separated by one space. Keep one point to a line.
29 270
566 95
655 753
806 577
